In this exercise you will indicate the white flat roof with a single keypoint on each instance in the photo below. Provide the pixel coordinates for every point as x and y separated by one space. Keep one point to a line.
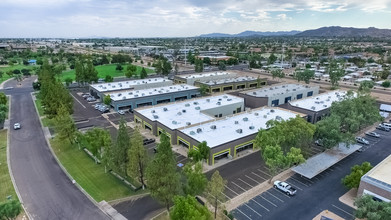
130 94
236 126
201 75
113 86
229 80
381 172
270 91
174 117
319 102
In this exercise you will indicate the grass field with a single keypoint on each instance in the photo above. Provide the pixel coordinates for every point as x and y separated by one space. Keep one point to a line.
39 107
5 69
90 176
104 70
6 187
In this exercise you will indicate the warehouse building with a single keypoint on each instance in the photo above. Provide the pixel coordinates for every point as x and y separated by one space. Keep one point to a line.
131 99
98 90
277 94
171 117
316 107
228 136
190 79
377 182
228 84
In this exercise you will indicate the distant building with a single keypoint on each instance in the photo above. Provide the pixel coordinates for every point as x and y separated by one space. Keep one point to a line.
277 94
224 85
214 60
377 182
192 78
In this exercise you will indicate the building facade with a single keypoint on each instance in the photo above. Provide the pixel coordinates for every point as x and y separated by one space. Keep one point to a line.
190 79
229 84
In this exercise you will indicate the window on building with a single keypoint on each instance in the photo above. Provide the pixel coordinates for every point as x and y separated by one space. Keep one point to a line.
309 118
275 102
310 93
287 99
220 115
299 96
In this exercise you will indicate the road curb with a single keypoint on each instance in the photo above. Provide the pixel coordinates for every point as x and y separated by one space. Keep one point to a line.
2 84
47 135
9 162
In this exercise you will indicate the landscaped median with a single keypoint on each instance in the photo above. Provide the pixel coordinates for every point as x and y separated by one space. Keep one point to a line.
6 188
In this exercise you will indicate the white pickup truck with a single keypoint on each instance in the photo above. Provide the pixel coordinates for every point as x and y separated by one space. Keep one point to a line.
285 187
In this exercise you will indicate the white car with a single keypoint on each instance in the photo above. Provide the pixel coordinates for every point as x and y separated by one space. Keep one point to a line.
121 112
372 134
362 140
17 126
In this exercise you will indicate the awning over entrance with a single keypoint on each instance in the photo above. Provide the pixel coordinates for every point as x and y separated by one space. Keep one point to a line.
323 161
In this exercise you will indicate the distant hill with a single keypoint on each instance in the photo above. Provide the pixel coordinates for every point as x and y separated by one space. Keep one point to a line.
252 33
336 31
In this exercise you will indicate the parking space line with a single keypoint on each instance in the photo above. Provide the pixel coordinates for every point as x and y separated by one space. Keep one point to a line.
275 197
268 200
77 100
226 196
264 173
261 205
232 190
259 176
299 181
243 213
252 209
306 179
281 193
238 186
290 183
246 183
252 179
342 210
182 160
337 168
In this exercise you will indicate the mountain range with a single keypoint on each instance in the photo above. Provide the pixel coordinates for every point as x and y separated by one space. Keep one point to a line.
333 31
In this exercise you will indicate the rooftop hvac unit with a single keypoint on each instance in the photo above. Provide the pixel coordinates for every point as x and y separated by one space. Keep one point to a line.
329 97
325 106
195 103
188 123
278 118
174 122
220 99
187 105
165 109
135 95
327 100
184 110
109 84
225 96
256 113
208 100
127 82
155 116
254 93
123 97
130 93
153 111
317 98
199 130
170 87
119 94
218 103
245 119
149 79
294 89
213 127
251 127
316 102
150 93
113 86
197 108
179 113
229 99
271 110
283 86
236 122
264 116
192 133
137 91
313 107
239 131
143 94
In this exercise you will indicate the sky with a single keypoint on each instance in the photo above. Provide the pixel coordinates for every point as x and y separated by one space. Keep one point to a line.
182 18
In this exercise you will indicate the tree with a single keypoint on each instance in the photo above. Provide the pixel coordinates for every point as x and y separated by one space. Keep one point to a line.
305 75
203 89
297 133
109 78
386 84
10 209
206 60
66 126
272 58
335 73
143 73
188 208
138 157
222 65
277 73
195 179
98 140
3 112
107 100
176 69
215 189
119 67
3 98
276 160
328 132
68 81
163 179
368 208
366 86
130 70
120 157
199 65
357 171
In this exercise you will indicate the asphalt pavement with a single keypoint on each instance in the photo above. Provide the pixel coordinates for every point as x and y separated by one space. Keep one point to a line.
46 191
317 194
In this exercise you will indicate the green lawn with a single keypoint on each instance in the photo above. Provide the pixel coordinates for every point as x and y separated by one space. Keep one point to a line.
104 70
39 107
6 187
90 176
7 68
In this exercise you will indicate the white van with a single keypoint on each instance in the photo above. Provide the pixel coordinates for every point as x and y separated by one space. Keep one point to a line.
387 125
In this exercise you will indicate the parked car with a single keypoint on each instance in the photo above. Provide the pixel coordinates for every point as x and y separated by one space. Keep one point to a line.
98 105
91 99
382 128
85 95
285 187
17 126
121 112
148 141
372 134
387 125
362 140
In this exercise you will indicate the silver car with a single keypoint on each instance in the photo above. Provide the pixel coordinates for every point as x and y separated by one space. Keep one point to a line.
372 134
362 140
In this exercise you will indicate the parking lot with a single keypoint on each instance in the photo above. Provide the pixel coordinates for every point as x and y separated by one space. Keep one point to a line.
247 172
316 194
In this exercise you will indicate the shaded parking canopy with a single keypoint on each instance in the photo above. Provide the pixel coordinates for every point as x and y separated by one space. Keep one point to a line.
323 161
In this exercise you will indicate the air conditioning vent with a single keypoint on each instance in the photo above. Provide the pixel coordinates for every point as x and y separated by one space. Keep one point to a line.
207 100
251 127
179 113
192 133
239 131
188 123
187 105
174 122
153 111
256 113
272 110
264 116
165 109
184 110
325 106
218 103
199 130
225 96
197 108
236 122
245 119
313 107
155 116
278 118
213 127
